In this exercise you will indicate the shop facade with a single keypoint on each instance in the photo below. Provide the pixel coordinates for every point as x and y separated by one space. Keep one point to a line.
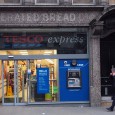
50 50
62 43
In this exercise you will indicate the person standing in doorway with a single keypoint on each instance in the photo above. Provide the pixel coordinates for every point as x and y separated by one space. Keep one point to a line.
25 76
112 78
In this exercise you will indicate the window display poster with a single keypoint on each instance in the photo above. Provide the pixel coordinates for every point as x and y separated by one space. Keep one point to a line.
42 80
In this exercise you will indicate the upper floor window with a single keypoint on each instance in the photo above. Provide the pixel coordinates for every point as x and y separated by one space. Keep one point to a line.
83 2
112 2
10 2
47 2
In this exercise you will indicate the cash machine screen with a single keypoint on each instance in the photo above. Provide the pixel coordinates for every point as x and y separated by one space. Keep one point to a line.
73 79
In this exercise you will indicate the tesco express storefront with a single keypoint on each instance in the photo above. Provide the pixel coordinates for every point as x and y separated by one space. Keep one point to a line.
43 65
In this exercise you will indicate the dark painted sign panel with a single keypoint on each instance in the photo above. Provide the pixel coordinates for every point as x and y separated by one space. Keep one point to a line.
64 42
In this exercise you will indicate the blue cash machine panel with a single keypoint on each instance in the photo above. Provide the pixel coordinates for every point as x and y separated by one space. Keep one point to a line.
74 79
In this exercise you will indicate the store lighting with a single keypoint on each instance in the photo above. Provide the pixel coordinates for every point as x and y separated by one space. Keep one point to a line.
23 50
48 52
25 54
49 60
55 51
38 61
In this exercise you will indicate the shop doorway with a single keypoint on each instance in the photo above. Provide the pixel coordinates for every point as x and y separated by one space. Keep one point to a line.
19 81
107 61
19 77
13 75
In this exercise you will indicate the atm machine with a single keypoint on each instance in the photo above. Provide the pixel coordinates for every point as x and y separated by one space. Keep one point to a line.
73 78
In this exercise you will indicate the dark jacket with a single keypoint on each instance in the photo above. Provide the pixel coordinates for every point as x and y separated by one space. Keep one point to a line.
112 78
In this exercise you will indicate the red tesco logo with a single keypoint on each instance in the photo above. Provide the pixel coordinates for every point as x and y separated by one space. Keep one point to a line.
24 39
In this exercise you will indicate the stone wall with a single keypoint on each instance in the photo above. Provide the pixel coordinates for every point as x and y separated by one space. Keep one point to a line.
66 2
95 79
62 19
49 18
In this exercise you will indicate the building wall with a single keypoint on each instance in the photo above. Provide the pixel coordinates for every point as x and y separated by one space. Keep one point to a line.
61 18
46 18
95 77
28 15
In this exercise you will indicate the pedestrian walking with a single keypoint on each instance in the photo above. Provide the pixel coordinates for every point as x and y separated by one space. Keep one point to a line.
112 78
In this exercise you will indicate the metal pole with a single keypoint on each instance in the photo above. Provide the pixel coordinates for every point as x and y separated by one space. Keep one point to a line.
2 82
15 86
28 82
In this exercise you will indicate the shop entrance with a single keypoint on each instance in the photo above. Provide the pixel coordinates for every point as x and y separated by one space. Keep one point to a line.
36 52
107 62
20 81
14 81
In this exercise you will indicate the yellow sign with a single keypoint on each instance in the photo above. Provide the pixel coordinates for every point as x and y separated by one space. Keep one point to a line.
9 91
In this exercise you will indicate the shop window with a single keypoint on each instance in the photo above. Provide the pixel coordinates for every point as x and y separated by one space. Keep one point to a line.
10 2
82 2
47 2
112 2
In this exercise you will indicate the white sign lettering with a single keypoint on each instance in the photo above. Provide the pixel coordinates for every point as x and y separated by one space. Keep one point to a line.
63 39
37 17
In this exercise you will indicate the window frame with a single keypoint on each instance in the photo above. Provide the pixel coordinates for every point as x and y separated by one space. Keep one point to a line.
11 3
36 3
93 3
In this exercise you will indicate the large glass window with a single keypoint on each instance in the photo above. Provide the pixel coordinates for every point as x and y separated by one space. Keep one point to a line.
43 86
112 2
82 2
10 1
47 2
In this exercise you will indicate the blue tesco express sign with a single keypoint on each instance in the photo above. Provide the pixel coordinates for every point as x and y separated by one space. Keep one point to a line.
42 80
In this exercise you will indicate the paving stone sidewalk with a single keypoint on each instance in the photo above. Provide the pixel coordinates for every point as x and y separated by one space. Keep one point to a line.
45 110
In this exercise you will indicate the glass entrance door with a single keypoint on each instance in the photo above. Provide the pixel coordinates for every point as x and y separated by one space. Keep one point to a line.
23 82
43 81
14 82
8 81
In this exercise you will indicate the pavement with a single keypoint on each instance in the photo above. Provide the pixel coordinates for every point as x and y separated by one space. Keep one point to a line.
52 110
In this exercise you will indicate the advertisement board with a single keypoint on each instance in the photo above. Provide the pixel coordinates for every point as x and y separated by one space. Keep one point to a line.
42 80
